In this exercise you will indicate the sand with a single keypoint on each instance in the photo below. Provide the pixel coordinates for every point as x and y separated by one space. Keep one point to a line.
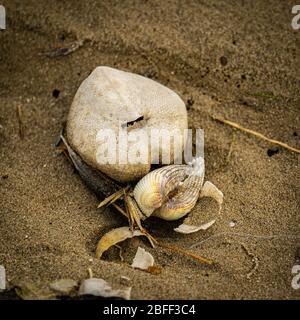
235 59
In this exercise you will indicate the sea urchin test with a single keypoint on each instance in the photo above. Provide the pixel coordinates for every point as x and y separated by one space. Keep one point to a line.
117 118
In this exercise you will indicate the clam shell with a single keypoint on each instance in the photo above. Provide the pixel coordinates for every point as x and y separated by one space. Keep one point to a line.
170 192
110 97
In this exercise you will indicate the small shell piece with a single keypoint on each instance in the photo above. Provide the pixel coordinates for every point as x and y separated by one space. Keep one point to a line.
64 286
99 287
208 190
232 224
186 228
170 192
143 259
2 278
115 236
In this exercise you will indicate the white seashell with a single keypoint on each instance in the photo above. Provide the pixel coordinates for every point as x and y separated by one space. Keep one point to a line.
2 278
99 287
143 259
110 97
186 228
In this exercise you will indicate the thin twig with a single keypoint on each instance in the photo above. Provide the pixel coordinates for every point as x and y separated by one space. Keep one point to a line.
113 197
187 253
120 210
154 241
255 133
63 51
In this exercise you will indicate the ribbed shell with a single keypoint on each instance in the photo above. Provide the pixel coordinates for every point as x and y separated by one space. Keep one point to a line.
170 192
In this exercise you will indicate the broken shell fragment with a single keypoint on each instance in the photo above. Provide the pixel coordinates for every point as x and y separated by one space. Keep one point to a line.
2 278
64 286
232 224
143 259
115 236
99 287
208 190
119 101
186 228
